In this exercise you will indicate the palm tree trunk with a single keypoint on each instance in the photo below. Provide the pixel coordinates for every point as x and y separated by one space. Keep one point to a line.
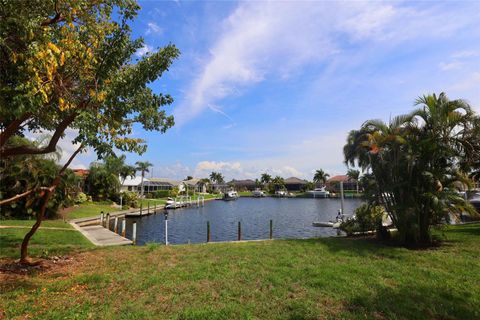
141 191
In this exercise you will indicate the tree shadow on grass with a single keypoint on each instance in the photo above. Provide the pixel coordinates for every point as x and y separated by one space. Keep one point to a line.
361 246
414 301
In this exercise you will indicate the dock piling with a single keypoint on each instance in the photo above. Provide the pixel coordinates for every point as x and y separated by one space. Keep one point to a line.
102 218
134 233
115 226
108 221
124 231
271 229
166 228
239 231
208 231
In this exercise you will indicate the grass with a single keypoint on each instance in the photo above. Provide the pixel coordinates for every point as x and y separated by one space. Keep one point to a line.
44 242
89 209
29 223
328 278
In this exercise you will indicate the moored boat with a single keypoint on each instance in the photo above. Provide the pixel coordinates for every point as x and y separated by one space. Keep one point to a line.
230 195
257 193
319 193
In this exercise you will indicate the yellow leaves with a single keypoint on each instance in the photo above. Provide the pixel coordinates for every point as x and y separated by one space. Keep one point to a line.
61 104
53 47
14 57
99 96
62 59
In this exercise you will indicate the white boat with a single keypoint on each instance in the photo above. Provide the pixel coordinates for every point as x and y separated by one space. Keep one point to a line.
230 195
281 193
257 193
319 193
327 224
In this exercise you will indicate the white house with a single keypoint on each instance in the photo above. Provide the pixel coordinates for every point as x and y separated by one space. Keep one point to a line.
154 184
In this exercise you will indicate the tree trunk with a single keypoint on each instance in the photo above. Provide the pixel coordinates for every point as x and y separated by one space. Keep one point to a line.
41 214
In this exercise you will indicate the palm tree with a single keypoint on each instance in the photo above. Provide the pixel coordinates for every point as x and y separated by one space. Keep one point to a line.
354 175
143 167
279 183
320 177
265 178
217 177
415 161
127 171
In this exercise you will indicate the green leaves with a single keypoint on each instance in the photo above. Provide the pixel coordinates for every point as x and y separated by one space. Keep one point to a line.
68 64
418 161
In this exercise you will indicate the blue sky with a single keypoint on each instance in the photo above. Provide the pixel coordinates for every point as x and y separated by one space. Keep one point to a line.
276 86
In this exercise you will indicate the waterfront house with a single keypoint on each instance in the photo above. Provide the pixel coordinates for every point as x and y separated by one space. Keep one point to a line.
333 184
295 184
197 185
243 185
150 184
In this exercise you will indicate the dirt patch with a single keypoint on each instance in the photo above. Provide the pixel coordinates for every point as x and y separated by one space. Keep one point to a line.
13 267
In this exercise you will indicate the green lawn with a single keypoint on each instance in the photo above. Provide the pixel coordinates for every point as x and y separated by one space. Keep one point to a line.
330 278
44 242
29 223
89 209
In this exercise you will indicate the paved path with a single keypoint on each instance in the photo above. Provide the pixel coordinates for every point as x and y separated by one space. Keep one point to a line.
101 236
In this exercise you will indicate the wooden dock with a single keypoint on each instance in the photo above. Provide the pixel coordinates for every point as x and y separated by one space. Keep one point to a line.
101 236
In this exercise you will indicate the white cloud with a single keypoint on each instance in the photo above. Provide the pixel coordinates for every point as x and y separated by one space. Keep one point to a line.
262 41
153 28
444 66
143 50
465 54
174 171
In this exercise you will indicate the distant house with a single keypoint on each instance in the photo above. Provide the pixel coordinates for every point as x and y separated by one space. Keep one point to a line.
82 174
295 184
243 185
195 184
333 184
220 187
150 184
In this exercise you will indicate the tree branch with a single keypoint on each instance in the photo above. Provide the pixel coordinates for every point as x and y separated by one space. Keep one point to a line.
51 147
21 195
57 18
12 128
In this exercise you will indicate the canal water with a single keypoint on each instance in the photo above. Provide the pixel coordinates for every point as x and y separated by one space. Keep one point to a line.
292 219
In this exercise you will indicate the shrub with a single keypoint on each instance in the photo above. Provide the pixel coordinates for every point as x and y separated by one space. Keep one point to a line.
161 194
367 218
130 199
80 198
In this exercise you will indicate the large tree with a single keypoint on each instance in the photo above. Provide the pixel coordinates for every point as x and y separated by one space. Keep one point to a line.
417 161
68 64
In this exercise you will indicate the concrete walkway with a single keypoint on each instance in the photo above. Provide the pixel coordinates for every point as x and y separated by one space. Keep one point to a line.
101 236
